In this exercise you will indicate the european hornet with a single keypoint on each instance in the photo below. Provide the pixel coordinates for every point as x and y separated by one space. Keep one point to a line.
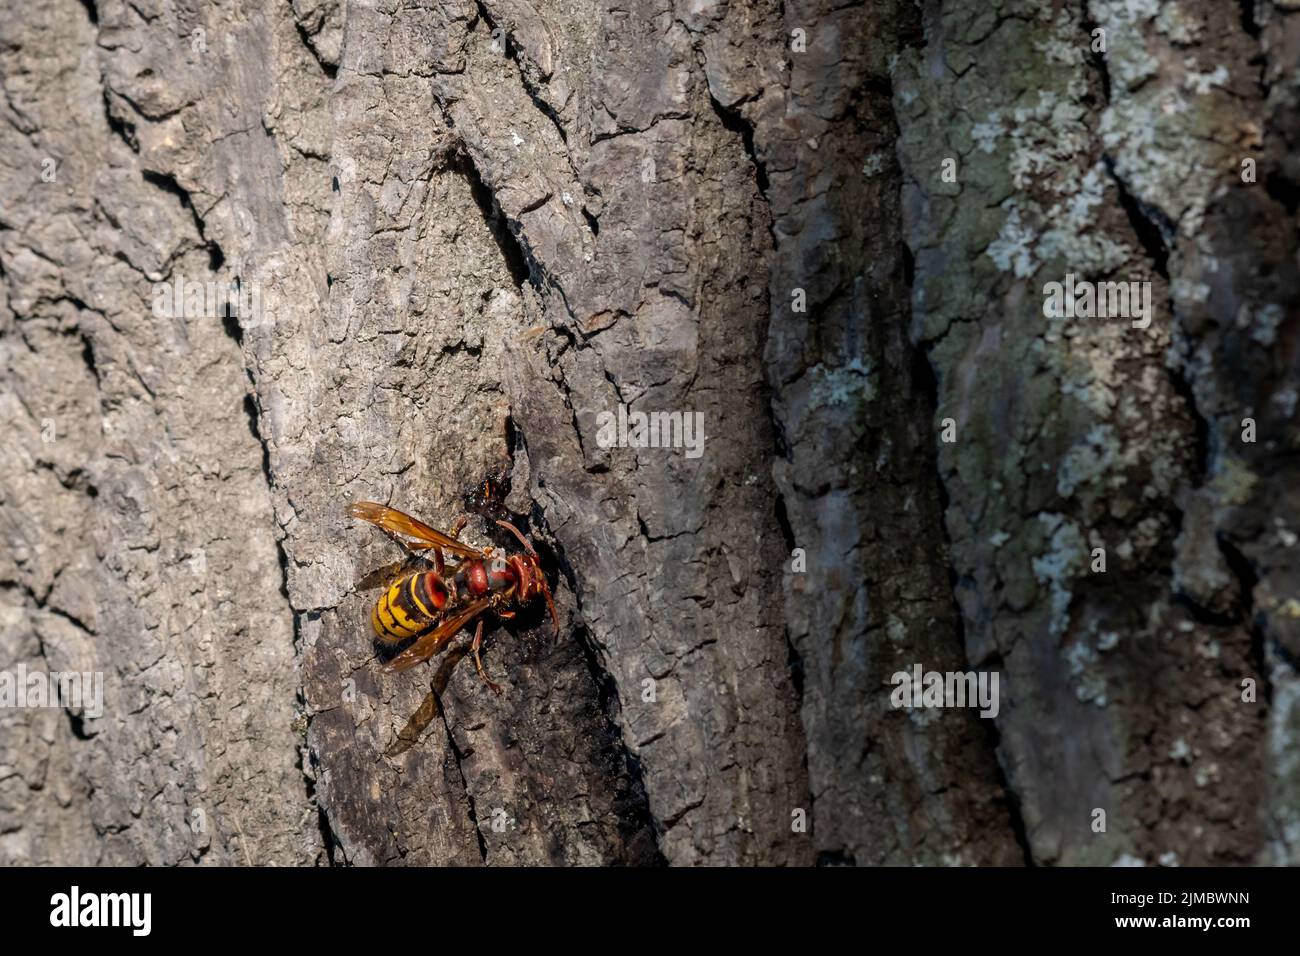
432 604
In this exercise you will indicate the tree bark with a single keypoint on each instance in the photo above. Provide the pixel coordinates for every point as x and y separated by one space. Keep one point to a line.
476 230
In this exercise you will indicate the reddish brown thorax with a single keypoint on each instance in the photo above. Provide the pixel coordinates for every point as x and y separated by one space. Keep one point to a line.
478 579
475 577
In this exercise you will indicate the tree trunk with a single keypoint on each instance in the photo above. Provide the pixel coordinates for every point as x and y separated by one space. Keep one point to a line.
465 235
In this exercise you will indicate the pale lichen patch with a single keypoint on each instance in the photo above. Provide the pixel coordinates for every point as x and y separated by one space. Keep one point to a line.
1065 559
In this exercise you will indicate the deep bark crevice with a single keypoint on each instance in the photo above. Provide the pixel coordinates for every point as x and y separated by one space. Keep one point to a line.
1247 578
459 758
330 70
508 50
1153 230
734 121
1156 235
927 386
76 722
516 260
608 693
168 184
923 377
332 848
1010 798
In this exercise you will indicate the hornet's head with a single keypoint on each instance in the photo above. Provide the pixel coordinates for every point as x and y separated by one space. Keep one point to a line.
528 569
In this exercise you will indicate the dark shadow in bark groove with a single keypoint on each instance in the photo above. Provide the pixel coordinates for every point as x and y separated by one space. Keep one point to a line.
638 825
1011 799
511 251
216 258
328 840
509 50
1149 227
1247 578
469 796
330 70
927 385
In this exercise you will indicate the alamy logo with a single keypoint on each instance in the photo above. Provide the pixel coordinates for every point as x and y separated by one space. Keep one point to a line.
181 299
651 430
1098 300
69 690
920 688
103 909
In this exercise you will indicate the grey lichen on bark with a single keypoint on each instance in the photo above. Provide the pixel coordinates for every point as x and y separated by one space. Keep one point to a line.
1076 436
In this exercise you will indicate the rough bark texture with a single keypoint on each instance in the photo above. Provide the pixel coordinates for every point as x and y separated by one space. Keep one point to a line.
476 226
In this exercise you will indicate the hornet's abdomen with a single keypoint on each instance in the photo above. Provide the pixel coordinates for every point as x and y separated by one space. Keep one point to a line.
410 607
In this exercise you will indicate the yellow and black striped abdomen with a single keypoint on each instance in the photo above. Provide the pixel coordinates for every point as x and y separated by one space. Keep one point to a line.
406 609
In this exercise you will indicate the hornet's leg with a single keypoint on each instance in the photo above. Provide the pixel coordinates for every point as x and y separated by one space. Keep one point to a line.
439 562
478 661
460 526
